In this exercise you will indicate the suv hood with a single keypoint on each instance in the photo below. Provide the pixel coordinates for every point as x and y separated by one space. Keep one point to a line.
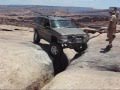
69 31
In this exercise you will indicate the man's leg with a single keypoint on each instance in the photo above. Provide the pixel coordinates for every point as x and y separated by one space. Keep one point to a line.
111 38
108 33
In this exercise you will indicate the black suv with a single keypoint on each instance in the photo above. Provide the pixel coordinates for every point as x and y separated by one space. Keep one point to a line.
61 33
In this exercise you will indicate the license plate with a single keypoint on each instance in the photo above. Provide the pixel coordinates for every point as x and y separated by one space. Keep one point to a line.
79 40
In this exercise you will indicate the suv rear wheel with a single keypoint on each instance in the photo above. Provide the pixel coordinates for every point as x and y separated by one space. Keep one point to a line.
36 38
81 48
55 49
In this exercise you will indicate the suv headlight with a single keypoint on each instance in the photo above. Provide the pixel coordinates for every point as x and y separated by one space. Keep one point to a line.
64 38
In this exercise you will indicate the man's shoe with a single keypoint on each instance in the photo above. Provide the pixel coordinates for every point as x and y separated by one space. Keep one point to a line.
114 36
107 49
109 46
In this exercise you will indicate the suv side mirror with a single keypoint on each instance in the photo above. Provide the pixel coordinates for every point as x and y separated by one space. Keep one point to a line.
47 27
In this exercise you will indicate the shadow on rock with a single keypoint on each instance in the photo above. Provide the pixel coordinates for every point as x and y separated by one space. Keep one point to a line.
59 63
77 56
112 68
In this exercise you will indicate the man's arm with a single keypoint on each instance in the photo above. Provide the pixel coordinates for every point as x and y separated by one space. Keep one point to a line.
110 23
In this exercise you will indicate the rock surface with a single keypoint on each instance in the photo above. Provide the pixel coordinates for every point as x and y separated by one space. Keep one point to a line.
85 79
93 69
23 65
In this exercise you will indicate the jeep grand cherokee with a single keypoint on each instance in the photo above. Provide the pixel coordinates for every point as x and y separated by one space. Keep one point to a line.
60 33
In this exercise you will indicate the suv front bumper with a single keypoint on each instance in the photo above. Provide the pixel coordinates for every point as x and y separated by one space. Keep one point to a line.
73 41
69 44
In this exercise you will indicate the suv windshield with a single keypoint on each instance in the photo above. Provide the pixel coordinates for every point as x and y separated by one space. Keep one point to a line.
62 23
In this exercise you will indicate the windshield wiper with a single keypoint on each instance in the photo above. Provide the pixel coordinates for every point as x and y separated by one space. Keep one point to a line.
69 27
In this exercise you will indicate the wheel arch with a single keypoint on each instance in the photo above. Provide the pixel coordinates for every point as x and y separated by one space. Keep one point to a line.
54 39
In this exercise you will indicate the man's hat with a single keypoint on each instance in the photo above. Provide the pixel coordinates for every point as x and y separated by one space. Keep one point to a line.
112 12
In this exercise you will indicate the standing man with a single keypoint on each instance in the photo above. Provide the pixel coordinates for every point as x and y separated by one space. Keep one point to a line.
117 13
111 28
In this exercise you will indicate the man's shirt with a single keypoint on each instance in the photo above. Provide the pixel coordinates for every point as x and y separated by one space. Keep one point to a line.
113 20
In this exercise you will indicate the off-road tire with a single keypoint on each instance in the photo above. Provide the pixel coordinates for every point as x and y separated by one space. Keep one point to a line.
56 49
81 48
36 38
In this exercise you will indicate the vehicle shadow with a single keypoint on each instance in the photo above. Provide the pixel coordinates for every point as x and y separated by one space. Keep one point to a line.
59 63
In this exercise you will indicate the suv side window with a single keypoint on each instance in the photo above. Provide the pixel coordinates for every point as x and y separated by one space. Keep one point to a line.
38 21
41 21
46 23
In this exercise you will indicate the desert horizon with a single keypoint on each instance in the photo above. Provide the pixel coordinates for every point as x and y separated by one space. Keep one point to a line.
58 45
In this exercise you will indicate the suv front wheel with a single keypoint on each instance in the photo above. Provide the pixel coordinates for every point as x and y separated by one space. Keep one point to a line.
81 48
55 49
36 38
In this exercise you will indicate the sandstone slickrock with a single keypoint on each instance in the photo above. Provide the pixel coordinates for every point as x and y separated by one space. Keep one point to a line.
84 79
92 70
23 65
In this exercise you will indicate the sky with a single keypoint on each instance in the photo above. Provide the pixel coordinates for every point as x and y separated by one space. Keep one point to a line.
99 4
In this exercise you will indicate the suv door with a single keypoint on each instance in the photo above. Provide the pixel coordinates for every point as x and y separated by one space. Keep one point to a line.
39 26
46 31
